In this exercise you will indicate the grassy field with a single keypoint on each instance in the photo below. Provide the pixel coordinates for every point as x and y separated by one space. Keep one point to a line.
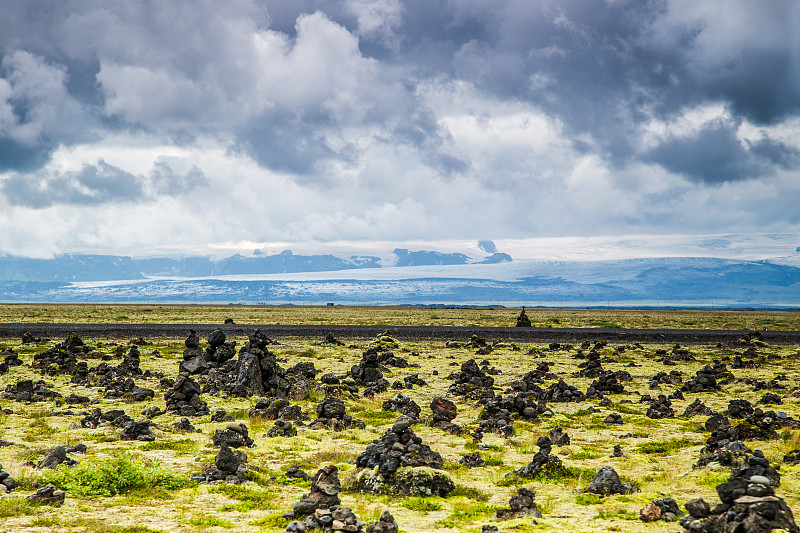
398 316
660 464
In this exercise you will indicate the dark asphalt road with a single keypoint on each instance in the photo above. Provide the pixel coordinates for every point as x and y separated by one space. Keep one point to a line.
405 333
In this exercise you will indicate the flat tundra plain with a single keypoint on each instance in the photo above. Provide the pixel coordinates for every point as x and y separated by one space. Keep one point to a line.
145 486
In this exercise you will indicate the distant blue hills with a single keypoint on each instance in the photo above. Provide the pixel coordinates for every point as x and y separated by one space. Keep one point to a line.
85 267
447 279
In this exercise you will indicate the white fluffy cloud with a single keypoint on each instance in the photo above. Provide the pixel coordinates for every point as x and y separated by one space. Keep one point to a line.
178 125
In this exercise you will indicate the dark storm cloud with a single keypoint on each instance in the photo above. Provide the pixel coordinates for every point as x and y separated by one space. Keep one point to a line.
95 184
715 155
98 184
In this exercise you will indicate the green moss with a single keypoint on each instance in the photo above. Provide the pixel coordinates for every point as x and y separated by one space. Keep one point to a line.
115 475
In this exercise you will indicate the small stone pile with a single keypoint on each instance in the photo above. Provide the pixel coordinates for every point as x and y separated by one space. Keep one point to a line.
48 495
675 377
389 464
522 320
748 504
542 461
607 482
409 382
697 407
184 398
607 383
234 435
7 483
275 408
28 391
282 428
11 358
660 408
385 524
770 399
530 380
324 494
665 509
522 405
472 460
331 415
471 382
562 392
398 447
739 409
521 505
369 373
709 379
676 355
403 405
141 431
61 358
792 458
591 367
114 417
444 411
559 437
229 466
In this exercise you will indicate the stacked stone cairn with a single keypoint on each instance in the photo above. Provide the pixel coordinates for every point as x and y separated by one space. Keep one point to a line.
562 392
234 435
321 507
258 373
28 391
230 466
521 505
591 367
660 408
709 379
276 408
61 358
48 495
472 460
675 377
141 431
543 462
399 463
443 413
608 382
369 373
97 418
11 358
748 504
184 398
697 407
471 382
665 509
282 428
522 320
607 482
331 415
385 524
403 405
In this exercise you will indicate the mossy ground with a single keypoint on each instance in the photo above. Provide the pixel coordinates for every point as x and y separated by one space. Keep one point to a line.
660 464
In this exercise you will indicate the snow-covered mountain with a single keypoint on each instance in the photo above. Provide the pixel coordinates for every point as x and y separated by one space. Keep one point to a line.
683 281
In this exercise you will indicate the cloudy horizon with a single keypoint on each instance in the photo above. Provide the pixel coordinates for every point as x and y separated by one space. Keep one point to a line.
146 127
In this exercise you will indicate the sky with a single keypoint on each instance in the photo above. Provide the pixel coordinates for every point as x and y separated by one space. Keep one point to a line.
192 125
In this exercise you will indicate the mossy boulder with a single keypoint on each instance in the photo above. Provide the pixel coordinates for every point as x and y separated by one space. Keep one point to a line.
411 481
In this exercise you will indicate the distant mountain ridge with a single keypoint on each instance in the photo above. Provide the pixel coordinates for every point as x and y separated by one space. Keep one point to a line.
86 267
680 281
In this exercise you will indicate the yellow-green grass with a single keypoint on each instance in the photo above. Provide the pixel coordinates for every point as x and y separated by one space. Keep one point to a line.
660 464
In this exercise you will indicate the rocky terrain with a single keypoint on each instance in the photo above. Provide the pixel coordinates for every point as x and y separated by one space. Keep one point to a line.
231 428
